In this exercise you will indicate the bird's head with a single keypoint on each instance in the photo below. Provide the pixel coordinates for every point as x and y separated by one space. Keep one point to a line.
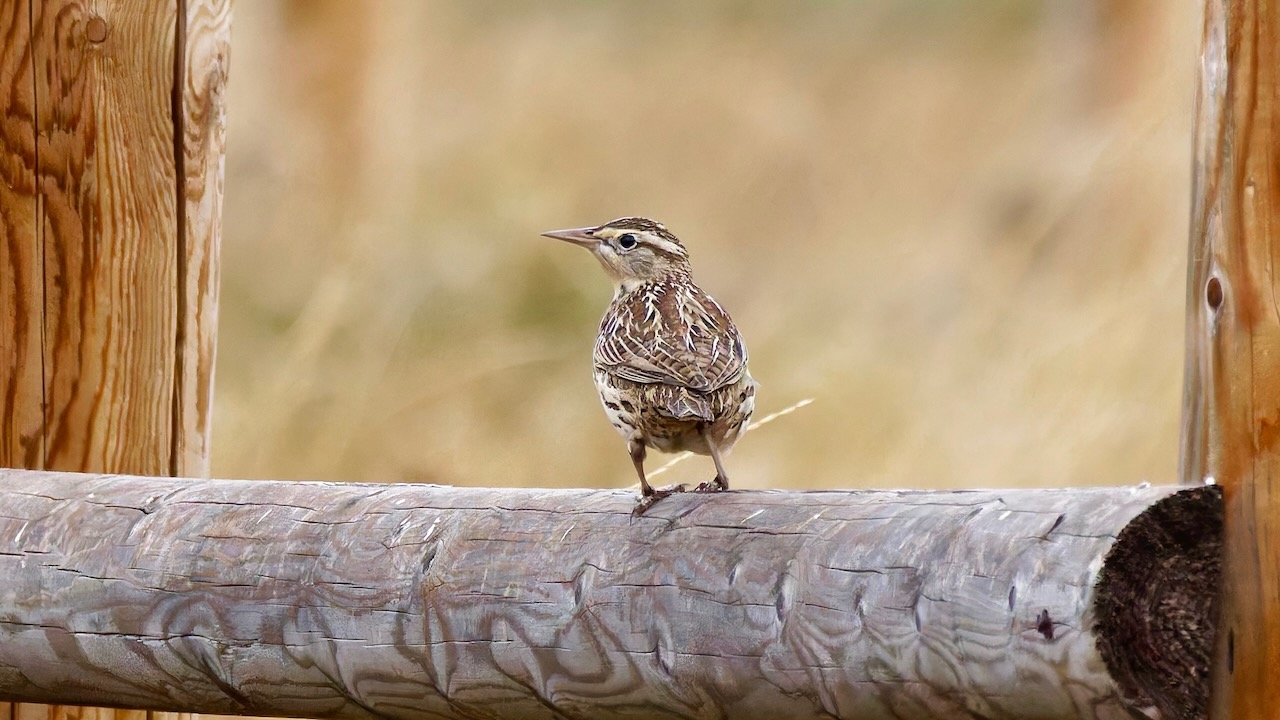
632 250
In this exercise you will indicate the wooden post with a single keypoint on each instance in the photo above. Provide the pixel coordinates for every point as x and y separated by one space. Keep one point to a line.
343 600
1231 422
111 157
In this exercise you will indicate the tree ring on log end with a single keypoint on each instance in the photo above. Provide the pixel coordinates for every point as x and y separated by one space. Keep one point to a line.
1157 603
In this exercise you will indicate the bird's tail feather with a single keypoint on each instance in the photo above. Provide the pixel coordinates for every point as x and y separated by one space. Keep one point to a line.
685 405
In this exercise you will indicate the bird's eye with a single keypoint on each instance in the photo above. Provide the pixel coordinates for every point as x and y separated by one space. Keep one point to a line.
626 241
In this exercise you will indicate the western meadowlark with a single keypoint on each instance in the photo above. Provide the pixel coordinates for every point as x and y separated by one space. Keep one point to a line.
670 365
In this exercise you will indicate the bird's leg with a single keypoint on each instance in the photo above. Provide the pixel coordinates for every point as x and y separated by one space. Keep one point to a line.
721 481
637 450
648 494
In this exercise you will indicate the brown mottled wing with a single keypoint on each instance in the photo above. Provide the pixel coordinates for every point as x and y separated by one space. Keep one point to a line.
673 334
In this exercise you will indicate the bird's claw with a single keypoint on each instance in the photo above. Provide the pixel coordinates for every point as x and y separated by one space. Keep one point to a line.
714 485
648 501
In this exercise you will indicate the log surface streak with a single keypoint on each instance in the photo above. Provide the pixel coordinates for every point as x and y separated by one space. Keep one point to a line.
410 601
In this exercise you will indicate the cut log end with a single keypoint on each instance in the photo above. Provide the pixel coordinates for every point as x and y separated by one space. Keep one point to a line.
1157 603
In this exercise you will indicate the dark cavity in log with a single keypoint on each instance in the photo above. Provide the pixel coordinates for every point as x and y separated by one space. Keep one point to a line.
1157 603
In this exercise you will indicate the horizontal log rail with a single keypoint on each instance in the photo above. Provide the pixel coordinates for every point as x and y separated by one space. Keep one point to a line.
411 601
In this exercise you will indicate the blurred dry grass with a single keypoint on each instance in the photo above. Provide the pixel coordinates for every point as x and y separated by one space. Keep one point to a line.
960 226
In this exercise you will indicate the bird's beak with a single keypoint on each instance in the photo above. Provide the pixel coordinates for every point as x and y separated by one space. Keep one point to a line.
578 236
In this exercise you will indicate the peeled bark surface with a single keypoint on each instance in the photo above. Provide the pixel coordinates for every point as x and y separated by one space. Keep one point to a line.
412 601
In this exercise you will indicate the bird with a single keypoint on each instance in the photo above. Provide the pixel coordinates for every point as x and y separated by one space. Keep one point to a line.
669 364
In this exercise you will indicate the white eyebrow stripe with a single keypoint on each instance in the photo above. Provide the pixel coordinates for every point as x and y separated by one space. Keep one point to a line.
665 245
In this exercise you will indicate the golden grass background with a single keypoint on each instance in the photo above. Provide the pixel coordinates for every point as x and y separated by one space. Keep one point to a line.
959 225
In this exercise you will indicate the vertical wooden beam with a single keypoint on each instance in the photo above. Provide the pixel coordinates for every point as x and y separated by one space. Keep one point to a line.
200 109
107 181
111 167
1231 423
21 274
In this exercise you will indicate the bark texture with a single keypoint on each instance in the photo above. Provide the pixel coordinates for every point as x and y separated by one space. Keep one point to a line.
410 601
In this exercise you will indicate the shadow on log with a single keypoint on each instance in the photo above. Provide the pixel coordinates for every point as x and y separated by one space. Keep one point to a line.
410 601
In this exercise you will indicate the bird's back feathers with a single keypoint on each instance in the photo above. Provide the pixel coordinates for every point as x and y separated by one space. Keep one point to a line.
671 332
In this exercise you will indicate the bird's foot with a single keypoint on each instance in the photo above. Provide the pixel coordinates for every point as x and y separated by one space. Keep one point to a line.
651 499
715 485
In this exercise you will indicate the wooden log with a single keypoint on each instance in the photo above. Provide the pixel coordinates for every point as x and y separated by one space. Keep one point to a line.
1232 391
111 156
411 601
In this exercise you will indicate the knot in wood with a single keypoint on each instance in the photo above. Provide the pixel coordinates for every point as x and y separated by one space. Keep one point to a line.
96 29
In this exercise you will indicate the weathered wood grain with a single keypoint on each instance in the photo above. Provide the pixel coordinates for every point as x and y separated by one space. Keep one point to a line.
410 601
21 276
1232 393
112 161
205 43
107 183
111 146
